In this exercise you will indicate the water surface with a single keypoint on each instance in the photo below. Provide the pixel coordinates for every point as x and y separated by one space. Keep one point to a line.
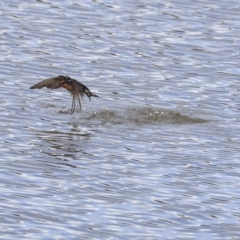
157 157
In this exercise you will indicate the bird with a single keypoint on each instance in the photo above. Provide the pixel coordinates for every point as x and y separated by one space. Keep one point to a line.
76 88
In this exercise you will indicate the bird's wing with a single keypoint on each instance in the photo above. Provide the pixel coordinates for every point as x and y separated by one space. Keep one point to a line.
79 88
52 83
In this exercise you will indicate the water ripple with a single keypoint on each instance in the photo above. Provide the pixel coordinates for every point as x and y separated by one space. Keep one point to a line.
157 157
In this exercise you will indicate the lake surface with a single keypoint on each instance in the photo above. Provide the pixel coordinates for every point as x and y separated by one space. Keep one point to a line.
157 157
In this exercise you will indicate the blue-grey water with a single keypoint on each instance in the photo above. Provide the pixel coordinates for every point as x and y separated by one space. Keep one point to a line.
157 157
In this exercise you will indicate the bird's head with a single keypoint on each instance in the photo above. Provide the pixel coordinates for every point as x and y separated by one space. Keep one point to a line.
65 80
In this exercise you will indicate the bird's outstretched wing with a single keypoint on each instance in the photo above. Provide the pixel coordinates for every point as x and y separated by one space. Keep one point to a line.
52 83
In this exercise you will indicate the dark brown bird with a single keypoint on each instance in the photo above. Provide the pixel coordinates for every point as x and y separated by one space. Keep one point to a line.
76 88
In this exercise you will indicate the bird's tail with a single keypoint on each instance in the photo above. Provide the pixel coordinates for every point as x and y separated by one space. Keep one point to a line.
90 94
94 95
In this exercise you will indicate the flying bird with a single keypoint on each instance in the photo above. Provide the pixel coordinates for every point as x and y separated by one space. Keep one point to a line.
76 88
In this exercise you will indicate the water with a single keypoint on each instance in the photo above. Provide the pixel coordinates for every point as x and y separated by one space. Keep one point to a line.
158 157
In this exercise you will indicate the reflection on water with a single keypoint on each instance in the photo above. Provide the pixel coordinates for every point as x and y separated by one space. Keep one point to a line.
60 144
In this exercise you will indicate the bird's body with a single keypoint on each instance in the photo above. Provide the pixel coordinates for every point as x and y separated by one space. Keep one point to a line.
76 88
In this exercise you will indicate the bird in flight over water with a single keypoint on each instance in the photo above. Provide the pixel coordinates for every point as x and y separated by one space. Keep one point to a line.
76 88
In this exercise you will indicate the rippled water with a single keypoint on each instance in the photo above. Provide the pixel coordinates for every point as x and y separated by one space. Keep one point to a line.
157 157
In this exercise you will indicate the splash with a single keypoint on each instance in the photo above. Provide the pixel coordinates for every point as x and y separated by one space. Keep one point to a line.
142 116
